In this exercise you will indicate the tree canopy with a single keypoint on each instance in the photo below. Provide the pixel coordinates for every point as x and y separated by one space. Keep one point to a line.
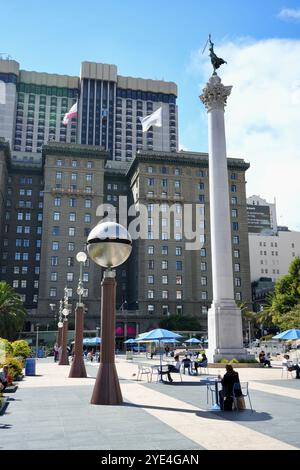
12 311
285 306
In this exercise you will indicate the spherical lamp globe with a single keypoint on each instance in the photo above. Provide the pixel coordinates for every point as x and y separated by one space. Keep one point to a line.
109 244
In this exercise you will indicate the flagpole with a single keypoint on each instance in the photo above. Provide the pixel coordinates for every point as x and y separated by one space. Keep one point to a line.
162 135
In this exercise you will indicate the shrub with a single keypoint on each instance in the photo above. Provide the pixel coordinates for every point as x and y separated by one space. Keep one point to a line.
21 349
14 366
234 361
224 361
5 347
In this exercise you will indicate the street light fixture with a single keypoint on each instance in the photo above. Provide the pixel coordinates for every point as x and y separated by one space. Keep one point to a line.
109 245
78 368
64 358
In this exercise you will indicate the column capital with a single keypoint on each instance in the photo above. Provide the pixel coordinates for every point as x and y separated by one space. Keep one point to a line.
215 94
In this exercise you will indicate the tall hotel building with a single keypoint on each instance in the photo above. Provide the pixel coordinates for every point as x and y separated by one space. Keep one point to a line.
110 107
53 178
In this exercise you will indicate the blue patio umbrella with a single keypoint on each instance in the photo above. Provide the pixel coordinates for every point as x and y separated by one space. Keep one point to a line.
193 341
91 341
288 334
158 334
130 341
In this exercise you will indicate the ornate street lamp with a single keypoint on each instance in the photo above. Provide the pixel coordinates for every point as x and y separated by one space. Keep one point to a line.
109 245
78 368
64 358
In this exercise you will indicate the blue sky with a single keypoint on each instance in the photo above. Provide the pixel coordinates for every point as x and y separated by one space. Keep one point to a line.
161 39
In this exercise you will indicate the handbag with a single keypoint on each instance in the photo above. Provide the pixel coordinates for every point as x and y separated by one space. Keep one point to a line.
240 403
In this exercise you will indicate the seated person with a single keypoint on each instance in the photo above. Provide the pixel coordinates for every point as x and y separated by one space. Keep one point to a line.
291 366
263 360
226 394
4 377
172 368
187 364
202 362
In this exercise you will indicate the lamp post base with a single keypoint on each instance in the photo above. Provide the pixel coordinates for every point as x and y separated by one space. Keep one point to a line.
77 367
107 389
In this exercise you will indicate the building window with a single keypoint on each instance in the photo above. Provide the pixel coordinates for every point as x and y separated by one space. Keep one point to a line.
233 188
179 279
73 202
71 231
165 294
15 284
70 261
85 277
204 310
203 295
89 177
72 216
54 260
237 267
150 264
150 294
164 279
55 246
236 240
56 216
74 163
164 250
179 265
234 200
23 284
151 309
237 282
57 201
58 175
52 292
178 294
71 246
203 252
164 264
70 277
151 279
236 253
203 280
203 266
150 181
179 309
150 250
89 164
55 230
234 213
235 226
53 277
88 203
178 251
238 296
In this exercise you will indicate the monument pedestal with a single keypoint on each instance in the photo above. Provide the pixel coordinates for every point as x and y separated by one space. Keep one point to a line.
225 332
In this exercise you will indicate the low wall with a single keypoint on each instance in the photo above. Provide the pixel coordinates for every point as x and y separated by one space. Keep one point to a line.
218 365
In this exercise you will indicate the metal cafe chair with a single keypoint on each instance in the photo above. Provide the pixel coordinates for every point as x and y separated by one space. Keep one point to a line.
237 388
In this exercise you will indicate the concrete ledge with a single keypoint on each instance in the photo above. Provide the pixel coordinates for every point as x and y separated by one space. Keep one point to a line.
243 365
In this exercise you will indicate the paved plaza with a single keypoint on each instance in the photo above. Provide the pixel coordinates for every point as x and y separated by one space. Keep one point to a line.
51 411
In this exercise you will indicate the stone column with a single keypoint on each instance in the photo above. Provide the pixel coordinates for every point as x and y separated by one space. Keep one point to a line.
77 367
107 389
225 336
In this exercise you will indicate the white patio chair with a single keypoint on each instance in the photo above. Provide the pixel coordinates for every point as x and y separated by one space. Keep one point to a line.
143 370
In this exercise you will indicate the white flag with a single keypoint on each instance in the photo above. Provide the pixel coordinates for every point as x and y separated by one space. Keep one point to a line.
154 119
70 114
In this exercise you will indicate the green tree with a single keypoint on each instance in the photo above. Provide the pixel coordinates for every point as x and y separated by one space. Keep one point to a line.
290 319
286 297
12 311
180 323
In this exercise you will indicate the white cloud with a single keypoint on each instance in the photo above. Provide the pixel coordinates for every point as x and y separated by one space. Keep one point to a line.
289 14
263 116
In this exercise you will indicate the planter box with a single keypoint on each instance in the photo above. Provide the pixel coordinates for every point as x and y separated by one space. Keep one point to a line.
244 365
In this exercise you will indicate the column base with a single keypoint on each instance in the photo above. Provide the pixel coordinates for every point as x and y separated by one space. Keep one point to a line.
225 334
77 370
107 389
